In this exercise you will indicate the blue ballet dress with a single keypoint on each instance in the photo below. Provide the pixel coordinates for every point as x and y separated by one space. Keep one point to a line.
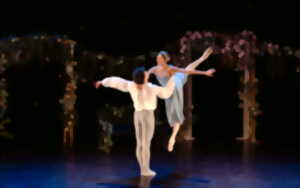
174 104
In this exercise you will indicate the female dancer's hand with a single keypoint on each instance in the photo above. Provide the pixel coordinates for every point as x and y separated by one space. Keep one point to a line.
210 72
97 84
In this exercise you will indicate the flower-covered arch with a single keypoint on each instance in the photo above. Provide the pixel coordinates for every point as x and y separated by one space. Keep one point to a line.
238 51
18 50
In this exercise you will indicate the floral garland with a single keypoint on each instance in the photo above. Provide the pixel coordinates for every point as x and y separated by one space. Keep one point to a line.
10 50
3 100
105 143
239 51
70 97
3 92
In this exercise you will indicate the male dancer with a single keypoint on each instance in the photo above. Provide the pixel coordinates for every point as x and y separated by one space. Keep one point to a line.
144 96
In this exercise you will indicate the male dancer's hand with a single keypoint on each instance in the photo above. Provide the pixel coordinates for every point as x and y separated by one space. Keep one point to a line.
97 84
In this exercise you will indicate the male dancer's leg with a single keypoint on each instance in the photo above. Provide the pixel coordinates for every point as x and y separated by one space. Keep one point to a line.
149 125
144 129
138 136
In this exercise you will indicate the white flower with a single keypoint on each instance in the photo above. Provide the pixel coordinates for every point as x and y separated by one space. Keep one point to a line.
14 39
100 56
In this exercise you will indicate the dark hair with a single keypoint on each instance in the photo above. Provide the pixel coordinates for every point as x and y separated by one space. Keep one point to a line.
165 55
138 75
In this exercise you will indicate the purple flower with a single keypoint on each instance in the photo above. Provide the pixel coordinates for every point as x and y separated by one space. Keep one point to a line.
228 43
237 48
198 35
183 44
183 40
189 33
241 54
242 42
244 33
227 48
193 36
182 50
208 34
270 45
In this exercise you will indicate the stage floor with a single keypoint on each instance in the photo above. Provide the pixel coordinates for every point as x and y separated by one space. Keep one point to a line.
219 165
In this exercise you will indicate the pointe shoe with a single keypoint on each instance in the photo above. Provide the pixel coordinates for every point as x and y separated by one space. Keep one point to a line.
171 145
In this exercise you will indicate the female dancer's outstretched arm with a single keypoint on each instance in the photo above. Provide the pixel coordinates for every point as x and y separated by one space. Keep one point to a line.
208 72
190 69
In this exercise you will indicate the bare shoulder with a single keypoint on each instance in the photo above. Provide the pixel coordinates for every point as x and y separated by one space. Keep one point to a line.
153 70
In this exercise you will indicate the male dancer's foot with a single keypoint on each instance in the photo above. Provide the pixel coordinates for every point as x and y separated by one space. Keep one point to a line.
148 173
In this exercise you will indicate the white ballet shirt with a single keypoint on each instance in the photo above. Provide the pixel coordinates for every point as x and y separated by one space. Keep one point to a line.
145 98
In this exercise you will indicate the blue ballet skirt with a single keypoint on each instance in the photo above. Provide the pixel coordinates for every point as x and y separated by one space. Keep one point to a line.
174 104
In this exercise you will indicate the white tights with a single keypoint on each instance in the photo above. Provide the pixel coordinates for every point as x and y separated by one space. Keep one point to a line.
144 130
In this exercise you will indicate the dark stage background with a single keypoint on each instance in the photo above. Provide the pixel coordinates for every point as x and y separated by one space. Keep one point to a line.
125 30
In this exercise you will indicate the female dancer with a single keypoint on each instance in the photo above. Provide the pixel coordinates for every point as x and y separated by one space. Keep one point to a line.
174 104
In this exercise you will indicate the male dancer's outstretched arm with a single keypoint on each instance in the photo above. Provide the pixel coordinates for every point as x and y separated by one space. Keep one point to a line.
114 82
